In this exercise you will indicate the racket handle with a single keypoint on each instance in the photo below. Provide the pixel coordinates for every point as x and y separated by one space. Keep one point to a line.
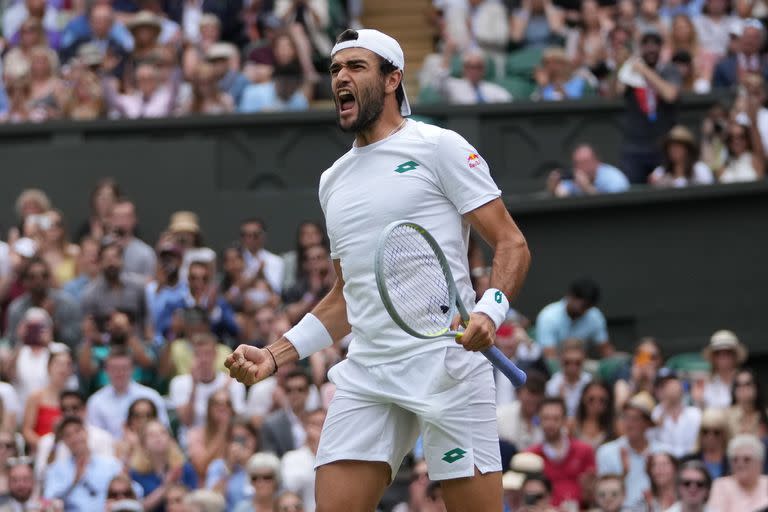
507 367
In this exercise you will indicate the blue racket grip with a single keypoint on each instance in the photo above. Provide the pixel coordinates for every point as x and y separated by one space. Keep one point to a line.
507 367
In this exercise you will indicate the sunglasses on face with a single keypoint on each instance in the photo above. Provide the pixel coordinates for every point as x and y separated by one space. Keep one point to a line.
608 494
743 383
268 478
8 445
142 415
572 362
251 234
71 409
291 507
689 484
741 459
293 389
711 432
120 494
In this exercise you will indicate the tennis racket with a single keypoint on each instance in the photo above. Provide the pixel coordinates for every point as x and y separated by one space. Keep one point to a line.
418 291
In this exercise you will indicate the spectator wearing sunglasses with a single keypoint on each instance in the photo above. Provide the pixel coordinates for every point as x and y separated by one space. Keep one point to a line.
537 491
120 489
264 471
8 450
746 489
714 436
82 480
693 485
50 449
569 382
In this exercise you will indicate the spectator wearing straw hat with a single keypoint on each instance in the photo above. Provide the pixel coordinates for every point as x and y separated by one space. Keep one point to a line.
680 166
224 59
521 466
627 455
145 27
725 353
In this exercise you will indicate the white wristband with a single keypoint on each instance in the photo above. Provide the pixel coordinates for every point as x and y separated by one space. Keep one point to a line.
494 304
309 336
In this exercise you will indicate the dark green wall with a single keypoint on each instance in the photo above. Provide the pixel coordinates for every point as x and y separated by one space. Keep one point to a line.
677 264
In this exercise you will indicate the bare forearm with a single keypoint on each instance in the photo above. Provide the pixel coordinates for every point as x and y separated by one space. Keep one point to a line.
666 90
511 260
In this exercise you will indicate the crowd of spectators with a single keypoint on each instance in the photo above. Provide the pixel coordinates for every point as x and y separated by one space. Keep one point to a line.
114 396
95 59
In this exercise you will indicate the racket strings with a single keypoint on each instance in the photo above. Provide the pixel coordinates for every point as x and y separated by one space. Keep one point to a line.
416 282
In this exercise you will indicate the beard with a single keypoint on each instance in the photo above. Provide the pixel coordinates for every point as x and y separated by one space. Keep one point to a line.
370 105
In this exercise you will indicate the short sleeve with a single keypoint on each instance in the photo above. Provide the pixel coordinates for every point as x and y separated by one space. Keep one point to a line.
546 334
702 174
600 327
179 391
463 175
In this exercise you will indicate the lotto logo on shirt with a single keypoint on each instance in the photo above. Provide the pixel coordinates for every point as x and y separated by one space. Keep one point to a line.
473 160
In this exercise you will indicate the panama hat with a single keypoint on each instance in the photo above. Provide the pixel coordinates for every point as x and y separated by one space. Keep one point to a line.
725 340
521 466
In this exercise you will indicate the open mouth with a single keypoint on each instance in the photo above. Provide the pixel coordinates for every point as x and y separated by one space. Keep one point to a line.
346 101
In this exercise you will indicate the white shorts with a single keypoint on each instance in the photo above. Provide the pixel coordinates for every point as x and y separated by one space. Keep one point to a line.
378 412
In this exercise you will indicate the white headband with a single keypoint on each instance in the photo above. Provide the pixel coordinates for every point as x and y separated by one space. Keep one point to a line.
382 45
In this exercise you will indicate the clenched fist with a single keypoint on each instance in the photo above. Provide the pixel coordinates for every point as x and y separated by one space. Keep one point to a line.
250 365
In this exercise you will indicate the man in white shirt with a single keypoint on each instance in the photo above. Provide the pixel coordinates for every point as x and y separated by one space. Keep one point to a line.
108 407
518 421
100 441
298 466
678 424
190 392
258 260
569 382
471 89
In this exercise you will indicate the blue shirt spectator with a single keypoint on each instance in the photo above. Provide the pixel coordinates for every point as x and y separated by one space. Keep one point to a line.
575 88
574 316
634 443
80 480
590 176
81 29
3 98
261 97
90 491
149 482
238 481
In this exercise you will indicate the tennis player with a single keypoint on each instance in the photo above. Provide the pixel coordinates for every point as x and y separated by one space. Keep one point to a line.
393 386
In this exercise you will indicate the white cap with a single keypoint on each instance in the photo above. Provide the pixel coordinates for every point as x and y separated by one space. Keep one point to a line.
25 247
385 47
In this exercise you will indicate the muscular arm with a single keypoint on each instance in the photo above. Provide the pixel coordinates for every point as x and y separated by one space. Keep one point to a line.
511 257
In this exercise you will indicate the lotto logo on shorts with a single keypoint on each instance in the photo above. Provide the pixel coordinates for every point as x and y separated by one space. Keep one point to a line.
473 160
452 456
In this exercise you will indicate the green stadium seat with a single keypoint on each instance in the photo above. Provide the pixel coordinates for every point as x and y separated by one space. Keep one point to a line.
520 88
689 362
429 96
521 63
609 367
